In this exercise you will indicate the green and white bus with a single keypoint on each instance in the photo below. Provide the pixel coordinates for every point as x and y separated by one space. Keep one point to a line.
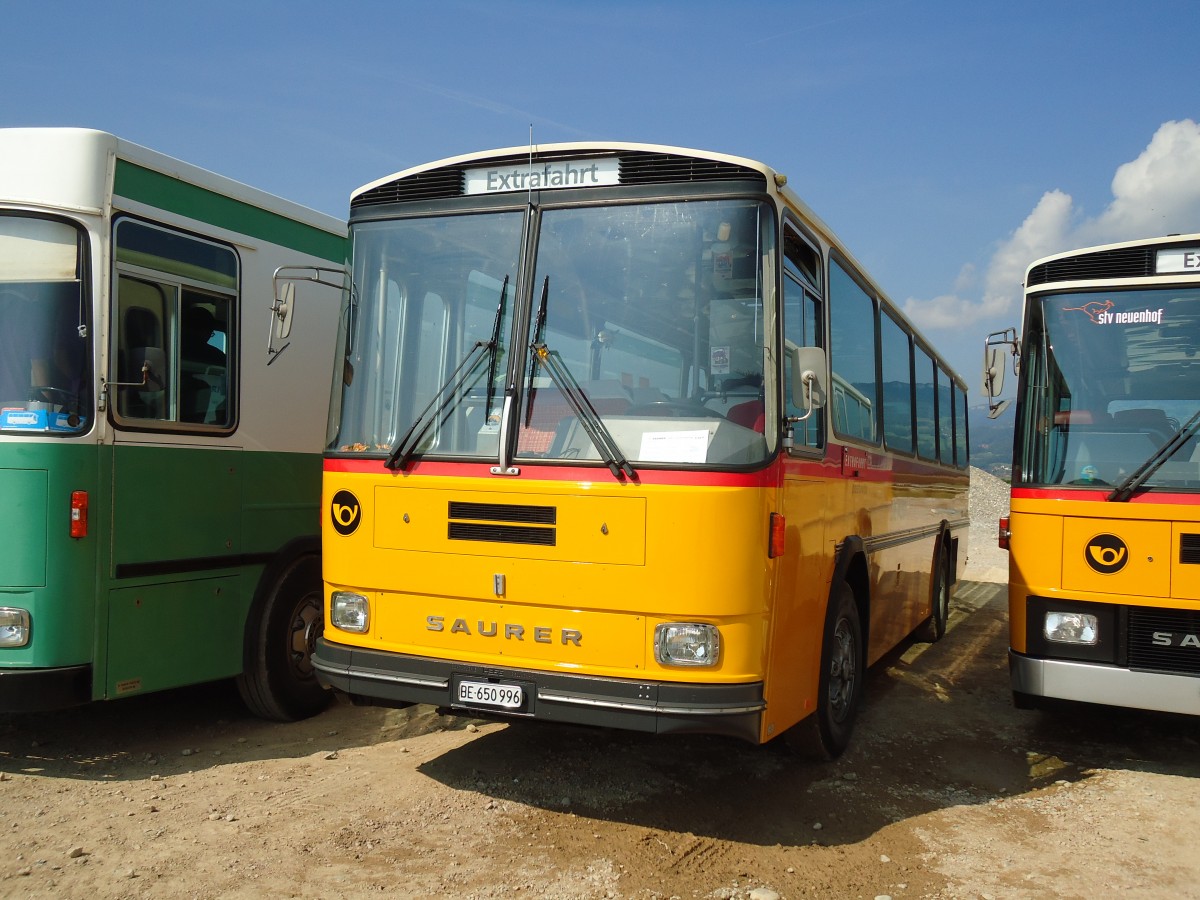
162 416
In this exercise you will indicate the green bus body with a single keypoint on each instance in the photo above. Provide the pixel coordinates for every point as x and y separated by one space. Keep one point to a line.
201 547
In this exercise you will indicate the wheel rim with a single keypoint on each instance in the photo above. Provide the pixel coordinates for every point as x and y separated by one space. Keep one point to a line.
843 671
307 626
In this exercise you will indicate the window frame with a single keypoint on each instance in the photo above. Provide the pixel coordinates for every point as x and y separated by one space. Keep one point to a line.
863 285
175 287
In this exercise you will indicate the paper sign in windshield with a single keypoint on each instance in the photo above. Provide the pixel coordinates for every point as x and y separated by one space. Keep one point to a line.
674 446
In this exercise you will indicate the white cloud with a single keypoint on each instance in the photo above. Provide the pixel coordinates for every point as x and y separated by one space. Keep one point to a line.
1156 194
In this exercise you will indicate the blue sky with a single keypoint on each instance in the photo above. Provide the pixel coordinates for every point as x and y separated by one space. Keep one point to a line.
947 143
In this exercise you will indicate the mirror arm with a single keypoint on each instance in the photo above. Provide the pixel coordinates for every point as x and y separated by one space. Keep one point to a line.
146 370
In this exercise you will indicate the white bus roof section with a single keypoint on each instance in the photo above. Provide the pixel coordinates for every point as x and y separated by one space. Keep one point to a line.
34 170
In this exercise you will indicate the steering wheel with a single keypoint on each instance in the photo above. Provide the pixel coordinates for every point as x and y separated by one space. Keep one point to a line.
46 394
1099 482
673 408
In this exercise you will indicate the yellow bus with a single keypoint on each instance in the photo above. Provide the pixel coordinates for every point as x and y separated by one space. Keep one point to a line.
585 463
1104 525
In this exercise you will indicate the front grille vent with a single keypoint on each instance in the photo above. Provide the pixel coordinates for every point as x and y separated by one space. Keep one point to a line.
1131 262
437 184
1189 549
667 168
636 167
502 523
1164 640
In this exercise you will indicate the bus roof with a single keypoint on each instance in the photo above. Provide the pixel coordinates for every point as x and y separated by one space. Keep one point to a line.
49 148
1164 239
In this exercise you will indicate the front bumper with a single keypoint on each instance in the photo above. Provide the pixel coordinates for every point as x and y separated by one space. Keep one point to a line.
1107 684
650 706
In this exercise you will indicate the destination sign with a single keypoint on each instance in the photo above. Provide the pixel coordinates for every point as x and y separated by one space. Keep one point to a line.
566 173
1177 259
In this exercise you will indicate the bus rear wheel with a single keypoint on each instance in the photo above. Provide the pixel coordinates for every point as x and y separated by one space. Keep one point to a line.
279 682
933 628
826 733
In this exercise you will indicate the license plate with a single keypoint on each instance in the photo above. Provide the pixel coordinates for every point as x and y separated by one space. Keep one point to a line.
485 693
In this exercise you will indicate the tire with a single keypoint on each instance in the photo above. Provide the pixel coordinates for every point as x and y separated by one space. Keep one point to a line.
932 629
825 734
279 682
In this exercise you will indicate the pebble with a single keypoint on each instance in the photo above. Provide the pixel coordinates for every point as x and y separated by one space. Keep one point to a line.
75 852
817 826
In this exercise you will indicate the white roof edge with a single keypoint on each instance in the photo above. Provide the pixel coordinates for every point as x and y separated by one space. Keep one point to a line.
197 175
581 146
1118 245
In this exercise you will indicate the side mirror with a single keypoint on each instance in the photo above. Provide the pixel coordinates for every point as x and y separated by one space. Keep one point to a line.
993 371
998 347
283 304
808 386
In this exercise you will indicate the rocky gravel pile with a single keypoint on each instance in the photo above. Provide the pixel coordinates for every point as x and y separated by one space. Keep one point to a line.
988 502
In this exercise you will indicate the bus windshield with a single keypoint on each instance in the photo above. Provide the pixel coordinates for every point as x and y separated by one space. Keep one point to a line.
43 328
639 333
1109 378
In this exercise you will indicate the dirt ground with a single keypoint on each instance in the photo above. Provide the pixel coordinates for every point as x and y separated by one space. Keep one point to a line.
947 792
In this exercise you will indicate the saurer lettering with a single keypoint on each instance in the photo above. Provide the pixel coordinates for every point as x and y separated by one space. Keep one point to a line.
1171 639
542 634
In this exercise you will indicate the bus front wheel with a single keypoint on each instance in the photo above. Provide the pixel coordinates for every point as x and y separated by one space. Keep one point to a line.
279 682
826 733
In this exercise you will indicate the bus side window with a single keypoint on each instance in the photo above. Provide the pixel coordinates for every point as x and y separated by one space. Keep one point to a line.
802 317
853 356
175 309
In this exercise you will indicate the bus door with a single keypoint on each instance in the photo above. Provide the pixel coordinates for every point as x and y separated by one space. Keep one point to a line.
177 600
802 581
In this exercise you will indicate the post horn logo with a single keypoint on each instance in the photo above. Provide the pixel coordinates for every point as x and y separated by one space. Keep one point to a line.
1106 554
344 512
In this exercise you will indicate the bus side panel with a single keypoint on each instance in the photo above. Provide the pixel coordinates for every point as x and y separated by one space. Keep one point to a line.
281 498
176 633
174 504
802 574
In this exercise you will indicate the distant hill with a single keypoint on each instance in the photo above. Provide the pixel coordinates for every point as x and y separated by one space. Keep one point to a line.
991 441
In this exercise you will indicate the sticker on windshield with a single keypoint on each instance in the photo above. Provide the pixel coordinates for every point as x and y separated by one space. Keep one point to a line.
718 360
1101 312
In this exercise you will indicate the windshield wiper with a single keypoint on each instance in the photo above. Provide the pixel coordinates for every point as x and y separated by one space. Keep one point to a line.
593 425
1139 476
404 449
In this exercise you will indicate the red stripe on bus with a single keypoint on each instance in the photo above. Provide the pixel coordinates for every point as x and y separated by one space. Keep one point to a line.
1080 496
760 478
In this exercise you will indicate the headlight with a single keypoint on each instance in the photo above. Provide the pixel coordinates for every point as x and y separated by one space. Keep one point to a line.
14 627
1071 628
687 644
349 611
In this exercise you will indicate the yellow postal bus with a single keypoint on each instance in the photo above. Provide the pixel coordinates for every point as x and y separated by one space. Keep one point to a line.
1104 530
622 435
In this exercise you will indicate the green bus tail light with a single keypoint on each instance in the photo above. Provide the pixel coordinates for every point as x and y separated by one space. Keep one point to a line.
14 627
